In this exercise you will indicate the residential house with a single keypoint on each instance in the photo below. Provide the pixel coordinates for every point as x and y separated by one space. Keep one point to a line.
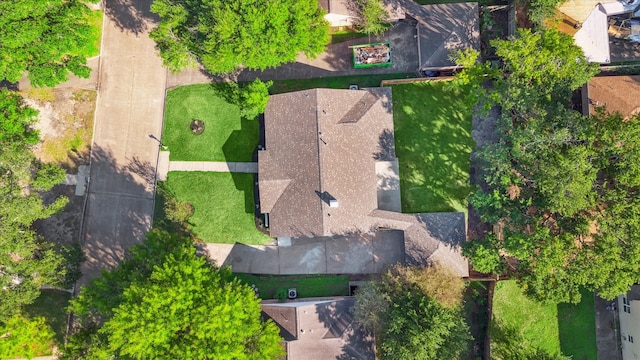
616 93
597 26
328 168
320 329
629 311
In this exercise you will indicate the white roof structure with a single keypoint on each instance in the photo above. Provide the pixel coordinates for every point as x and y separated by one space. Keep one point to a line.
592 17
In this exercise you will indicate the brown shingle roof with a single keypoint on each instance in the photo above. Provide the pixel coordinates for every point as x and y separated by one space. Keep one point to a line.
617 93
325 329
326 143
444 28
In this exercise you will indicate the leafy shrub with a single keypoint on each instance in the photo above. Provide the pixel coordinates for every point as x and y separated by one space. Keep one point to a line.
22 337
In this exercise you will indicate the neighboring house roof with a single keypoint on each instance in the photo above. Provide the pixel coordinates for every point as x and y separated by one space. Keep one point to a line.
323 144
617 93
443 28
589 20
318 329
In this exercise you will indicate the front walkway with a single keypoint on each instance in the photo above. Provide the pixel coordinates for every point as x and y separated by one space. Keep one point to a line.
349 254
215 166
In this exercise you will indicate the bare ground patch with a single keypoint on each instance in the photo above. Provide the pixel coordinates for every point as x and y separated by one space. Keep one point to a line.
65 122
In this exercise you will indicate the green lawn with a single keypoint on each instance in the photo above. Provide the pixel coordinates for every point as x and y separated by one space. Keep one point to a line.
577 326
336 82
528 323
306 285
433 145
223 205
52 305
346 35
226 137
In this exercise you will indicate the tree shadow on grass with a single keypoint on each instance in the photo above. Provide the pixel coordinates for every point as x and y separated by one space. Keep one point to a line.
434 144
507 343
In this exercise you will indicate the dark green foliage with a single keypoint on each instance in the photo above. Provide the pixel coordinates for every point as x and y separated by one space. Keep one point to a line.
251 98
44 39
563 186
227 36
372 16
165 301
415 313
26 262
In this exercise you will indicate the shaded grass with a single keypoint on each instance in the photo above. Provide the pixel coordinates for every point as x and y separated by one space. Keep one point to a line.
577 326
433 141
476 312
430 2
533 322
336 82
52 305
342 36
223 205
226 137
306 285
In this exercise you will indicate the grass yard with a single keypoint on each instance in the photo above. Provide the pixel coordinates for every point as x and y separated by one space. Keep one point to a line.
306 285
577 326
41 326
523 322
226 137
346 35
433 144
337 82
223 205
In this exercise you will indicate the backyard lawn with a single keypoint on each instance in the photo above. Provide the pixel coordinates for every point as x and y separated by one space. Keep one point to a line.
433 144
566 328
223 205
306 285
336 82
577 325
226 136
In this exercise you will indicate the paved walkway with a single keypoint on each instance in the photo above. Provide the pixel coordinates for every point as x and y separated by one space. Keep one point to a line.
606 330
350 254
129 108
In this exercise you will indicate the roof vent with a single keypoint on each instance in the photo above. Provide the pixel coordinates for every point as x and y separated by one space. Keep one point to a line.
333 203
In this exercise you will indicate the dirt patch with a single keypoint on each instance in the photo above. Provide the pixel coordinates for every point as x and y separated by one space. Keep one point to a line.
65 123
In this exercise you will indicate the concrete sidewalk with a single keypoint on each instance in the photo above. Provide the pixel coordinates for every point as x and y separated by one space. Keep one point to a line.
349 254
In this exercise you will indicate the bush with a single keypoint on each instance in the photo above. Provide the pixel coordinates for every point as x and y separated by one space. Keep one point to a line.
22 337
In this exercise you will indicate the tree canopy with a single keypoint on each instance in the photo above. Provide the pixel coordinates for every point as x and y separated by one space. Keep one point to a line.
416 313
43 38
27 262
225 36
563 187
372 16
167 302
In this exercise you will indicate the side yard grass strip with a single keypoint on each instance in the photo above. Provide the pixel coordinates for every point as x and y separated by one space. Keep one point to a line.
223 205
306 285
336 82
522 322
226 136
433 143
577 326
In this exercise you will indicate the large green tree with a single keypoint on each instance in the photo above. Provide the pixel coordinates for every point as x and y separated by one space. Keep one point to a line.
43 38
229 35
27 262
167 302
415 313
562 187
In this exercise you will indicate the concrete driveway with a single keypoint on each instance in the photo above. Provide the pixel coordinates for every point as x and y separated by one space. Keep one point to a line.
335 61
131 84
349 254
